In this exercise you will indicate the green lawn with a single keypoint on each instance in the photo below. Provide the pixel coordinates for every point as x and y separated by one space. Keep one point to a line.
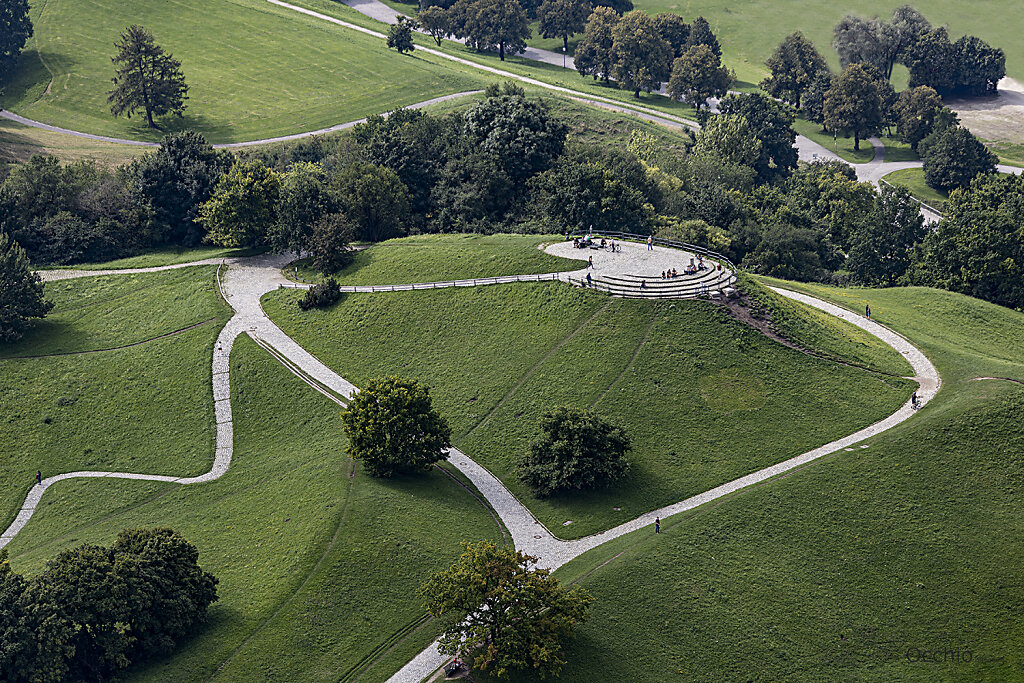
318 569
913 180
705 399
435 258
147 408
837 570
254 70
168 256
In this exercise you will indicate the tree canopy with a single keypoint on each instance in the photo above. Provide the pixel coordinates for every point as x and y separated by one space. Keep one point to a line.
952 157
501 613
15 30
243 208
562 18
146 78
698 75
594 55
21 291
400 35
518 132
374 199
853 106
392 427
795 65
641 58
576 450
771 122
915 112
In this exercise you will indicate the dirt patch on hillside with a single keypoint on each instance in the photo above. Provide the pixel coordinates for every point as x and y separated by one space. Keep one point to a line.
995 119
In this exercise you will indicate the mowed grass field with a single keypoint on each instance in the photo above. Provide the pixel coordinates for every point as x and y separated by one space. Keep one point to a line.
318 563
254 70
435 258
704 398
73 401
851 568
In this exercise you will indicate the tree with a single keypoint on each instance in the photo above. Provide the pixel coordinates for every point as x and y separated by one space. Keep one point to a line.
303 199
19 641
21 291
329 244
400 34
594 54
640 57
243 209
882 249
15 30
489 24
978 248
472 194
787 252
562 18
374 199
576 450
852 105
771 122
905 29
795 64
620 7
967 68
519 133
813 101
698 75
980 67
728 139
435 21
915 112
701 34
146 78
175 180
674 29
953 157
857 41
502 614
931 61
392 427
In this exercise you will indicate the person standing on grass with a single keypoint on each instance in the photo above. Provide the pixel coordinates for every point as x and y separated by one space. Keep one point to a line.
657 525
39 477
650 243
867 311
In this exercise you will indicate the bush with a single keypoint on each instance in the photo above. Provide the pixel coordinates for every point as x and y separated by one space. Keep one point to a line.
322 295
576 450
392 427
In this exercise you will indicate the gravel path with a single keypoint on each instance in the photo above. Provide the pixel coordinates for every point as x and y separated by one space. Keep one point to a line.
248 279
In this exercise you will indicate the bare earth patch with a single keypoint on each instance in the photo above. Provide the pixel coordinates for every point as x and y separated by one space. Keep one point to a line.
998 119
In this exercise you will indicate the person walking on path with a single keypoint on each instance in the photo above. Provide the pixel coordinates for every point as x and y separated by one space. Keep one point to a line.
39 477
650 243
867 311
590 262
589 282
657 525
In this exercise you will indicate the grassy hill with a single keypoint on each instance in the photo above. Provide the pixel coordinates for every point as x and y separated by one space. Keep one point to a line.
254 70
318 564
837 571
704 398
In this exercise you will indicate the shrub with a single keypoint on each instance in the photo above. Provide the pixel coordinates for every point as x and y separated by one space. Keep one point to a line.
576 450
321 296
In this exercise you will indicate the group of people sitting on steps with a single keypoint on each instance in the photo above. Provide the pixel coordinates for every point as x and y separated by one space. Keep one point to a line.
691 269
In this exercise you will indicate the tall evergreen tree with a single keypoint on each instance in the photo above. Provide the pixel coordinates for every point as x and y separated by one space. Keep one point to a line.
21 291
147 78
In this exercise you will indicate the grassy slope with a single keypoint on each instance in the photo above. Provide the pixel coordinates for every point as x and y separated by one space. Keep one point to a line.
233 53
138 409
834 571
415 259
318 570
164 257
498 356
913 180
19 142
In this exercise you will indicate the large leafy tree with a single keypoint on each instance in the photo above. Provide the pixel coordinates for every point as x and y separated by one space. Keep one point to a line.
882 249
329 244
400 35
978 248
304 198
436 22
701 34
576 450
795 64
728 138
472 194
374 199
15 30
698 75
953 157
771 122
243 209
520 133
501 613
392 427
788 252
146 78
490 24
674 29
641 58
562 18
915 112
853 106
21 291
968 67
594 55
175 180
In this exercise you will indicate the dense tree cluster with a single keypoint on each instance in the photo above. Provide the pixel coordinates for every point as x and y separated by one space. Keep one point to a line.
94 611
15 30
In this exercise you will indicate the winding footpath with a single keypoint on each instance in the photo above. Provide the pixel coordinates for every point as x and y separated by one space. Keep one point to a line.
248 279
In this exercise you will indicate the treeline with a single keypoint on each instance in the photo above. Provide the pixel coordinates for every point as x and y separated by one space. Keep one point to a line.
95 611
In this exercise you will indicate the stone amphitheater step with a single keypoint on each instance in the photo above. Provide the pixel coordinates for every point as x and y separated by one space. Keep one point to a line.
660 289
682 281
